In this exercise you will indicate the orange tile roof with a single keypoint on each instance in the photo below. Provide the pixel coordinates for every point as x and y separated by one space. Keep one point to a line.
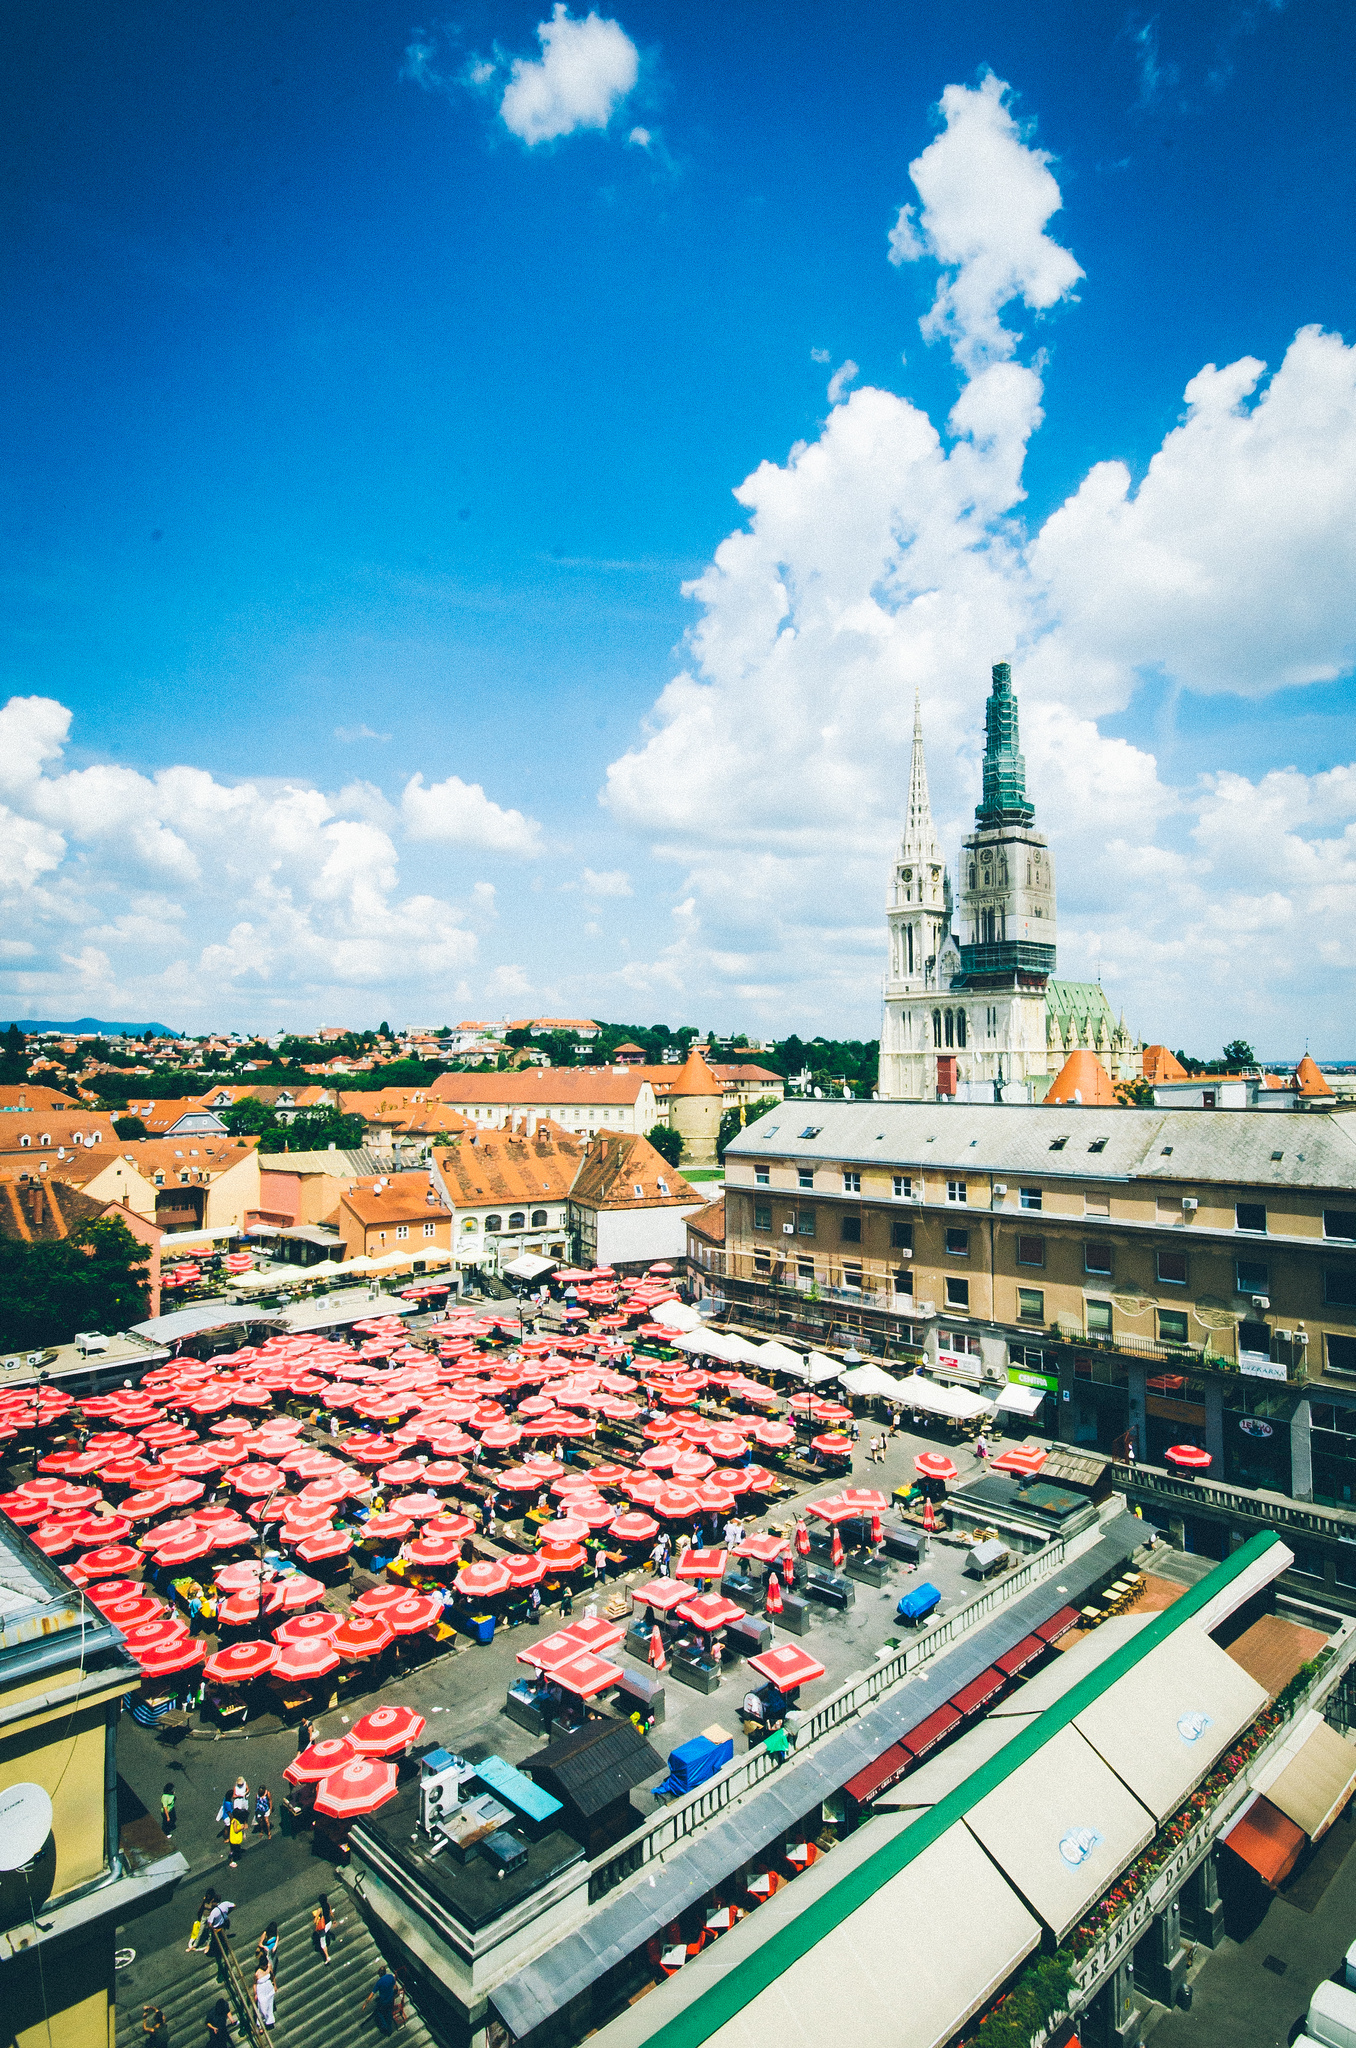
710 1221
394 1198
1162 1065
542 1086
63 1126
694 1077
1084 1075
507 1166
728 1074
1309 1078
36 1097
627 1173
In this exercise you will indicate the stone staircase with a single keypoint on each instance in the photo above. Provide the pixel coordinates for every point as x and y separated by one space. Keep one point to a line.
319 2005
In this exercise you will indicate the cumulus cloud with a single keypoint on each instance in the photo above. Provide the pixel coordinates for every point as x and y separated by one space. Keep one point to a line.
352 734
460 814
176 891
846 373
889 554
611 882
585 71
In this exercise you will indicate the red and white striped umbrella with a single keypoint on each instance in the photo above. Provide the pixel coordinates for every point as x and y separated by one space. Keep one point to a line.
299 1662
182 1654
483 1580
525 1571
702 1564
313 1765
634 1528
387 1528
362 1635
111 1559
414 1614
127 1613
436 1549
166 1627
386 1731
307 1628
934 1465
324 1543
241 1663
359 1787
1188 1457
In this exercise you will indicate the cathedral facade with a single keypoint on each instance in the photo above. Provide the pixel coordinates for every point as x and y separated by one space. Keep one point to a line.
971 1005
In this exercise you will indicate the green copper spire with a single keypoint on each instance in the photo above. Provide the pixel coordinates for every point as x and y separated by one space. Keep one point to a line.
1005 799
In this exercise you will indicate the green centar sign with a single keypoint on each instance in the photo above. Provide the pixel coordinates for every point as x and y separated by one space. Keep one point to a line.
1018 1376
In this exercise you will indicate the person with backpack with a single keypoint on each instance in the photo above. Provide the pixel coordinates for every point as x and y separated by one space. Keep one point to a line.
322 1925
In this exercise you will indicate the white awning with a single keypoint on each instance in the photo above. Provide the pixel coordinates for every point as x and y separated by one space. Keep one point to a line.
529 1266
1165 1723
958 1403
775 1357
675 1315
1015 1400
873 1379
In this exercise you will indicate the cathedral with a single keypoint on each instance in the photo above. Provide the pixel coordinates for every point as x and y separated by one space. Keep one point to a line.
971 1007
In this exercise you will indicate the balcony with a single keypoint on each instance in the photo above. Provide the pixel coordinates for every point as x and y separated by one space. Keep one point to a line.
1238 1503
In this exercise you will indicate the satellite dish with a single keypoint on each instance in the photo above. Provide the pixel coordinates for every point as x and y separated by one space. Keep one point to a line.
25 1824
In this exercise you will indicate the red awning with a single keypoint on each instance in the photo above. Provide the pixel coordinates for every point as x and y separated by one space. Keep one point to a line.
1021 1655
929 1733
1267 1840
1058 1625
972 1697
885 1771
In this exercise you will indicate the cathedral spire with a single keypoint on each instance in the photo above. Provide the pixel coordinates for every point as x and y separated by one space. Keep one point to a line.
1005 798
921 843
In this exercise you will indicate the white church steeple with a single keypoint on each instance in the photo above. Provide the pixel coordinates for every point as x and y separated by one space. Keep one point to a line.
919 910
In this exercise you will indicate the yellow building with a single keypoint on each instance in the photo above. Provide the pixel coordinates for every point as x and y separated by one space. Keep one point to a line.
63 1672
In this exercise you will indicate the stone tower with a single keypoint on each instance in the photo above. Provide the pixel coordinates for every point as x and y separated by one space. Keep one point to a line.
919 916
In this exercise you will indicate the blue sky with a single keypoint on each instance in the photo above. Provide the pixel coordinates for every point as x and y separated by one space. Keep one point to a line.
354 438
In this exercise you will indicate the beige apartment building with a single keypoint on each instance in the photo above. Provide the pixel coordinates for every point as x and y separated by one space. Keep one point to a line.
1150 1277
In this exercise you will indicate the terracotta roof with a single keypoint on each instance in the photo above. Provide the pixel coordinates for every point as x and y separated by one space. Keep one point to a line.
394 1198
63 1126
43 1210
748 1074
1084 1075
694 1077
542 1086
204 1153
627 1173
1309 1078
1162 1065
506 1166
710 1221
36 1097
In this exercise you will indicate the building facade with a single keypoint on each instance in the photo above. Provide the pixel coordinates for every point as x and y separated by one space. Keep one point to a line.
971 1009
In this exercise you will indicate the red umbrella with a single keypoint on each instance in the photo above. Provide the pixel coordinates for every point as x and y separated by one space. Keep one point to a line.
772 1603
1024 1460
676 1503
325 1543
934 1465
867 1500
657 1657
832 1446
299 1662
708 1611
359 1787
929 1517
1188 1458
255 1480
701 1564
90 1531
307 1628
837 1508
111 1558
586 1675
435 1550
525 1571
802 1539
180 1655
787 1666
444 1472
387 1528
414 1614
166 1627
127 1613
185 1549
362 1635
404 1472
104 1591
387 1730
634 1528
836 1550
242 1662
482 1581
317 1762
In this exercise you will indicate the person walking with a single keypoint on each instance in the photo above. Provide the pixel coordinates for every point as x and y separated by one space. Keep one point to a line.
219 2025
266 1949
263 1812
240 1800
168 1816
383 1994
264 1992
322 1925
305 1735
198 1938
982 1448
154 2030
236 1830
534 1605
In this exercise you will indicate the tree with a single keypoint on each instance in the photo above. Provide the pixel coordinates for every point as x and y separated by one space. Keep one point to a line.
667 1142
94 1279
1238 1053
734 1120
1135 1094
13 1057
129 1127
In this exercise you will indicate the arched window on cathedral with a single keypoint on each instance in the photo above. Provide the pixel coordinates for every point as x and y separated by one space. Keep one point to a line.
1028 874
960 1027
972 874
936 1027
950 1029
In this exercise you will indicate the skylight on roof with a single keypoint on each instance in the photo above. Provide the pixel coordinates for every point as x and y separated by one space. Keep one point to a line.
810 1131
1166 1153
771 1131
1097 1145
1278 1155
1058 1144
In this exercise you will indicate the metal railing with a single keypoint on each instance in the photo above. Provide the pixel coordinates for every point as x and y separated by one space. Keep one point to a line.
247 2012
686 1816
1278 1512
1121 1934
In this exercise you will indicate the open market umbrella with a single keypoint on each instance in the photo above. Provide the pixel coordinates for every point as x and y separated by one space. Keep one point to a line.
298 1663
307 1628
324 1543
701 1564
787 1666
315 1764
356 1788
934 1465
413 1615
241 1663
586 1675
386 1731
111 1559
435 1549
633 1528
709 1611
483 1580
525 1571
1188 1458
362 1635
867 1500
183 1654
153 1633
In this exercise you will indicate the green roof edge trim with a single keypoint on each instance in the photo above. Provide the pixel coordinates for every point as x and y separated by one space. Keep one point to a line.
720 2003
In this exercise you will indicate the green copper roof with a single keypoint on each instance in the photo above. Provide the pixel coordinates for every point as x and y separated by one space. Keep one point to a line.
1005 799
1079 999
731 1993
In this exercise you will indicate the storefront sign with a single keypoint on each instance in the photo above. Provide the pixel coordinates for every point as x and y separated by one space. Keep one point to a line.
964 1367
1018 1376
1253 1425
1255 1365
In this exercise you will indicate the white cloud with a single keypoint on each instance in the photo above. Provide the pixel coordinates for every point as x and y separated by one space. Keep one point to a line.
351 734
886 555
585 71
639 138
846 373
461 814
611 882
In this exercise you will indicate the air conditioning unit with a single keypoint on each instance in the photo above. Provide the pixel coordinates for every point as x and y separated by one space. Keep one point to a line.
904 1251
1261 1301
1000 1187
925 1308
788 1230
1189 1203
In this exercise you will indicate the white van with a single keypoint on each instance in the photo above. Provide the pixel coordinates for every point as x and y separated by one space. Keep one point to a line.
1332 2016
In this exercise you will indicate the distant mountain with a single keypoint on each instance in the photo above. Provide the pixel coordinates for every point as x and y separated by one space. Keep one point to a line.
99 1025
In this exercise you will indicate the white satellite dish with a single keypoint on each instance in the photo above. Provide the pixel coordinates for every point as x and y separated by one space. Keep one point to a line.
25 1824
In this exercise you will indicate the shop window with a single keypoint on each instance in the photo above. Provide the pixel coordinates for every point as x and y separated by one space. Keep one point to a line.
1031 1304
762 1215
1097 1259
852 1230
1251 1216
1099 1318
957 1293
959 1341
1031 1251
1250 1276
1172 1268
1339 1286
1031 1198
1172 1326
958 1244
805 1223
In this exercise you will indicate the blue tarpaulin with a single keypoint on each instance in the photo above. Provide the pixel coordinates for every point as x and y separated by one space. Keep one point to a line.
920 1602
693 1763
